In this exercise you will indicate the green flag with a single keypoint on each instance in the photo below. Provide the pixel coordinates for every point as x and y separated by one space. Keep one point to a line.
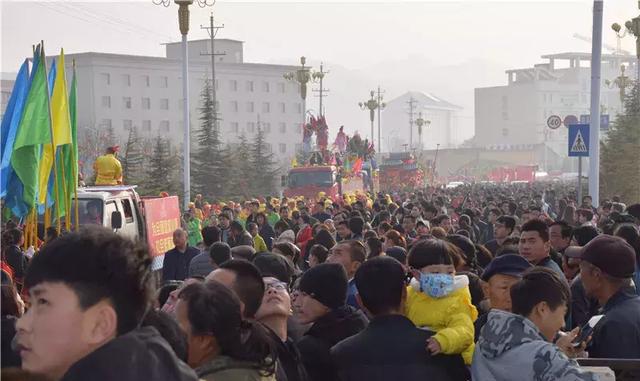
33 131
70 151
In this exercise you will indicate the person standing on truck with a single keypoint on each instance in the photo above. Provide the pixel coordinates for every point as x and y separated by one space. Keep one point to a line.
175 265
108 168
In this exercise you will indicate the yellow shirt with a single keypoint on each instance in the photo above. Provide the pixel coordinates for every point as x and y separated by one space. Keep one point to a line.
108 170
258 244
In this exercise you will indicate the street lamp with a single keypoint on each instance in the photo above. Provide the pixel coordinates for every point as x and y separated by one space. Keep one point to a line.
301 76
372 105
631 27
183 21
421 122
621 82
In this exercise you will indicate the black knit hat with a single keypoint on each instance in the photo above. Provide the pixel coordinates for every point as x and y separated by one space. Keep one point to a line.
613 255
326 283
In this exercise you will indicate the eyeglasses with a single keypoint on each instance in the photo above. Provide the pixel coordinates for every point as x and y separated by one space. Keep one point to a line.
278 286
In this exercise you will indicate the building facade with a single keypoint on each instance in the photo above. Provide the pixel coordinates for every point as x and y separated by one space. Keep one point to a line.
119 92
398 131
515 115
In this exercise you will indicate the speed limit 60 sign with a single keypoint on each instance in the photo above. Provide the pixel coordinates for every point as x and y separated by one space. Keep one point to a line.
554 122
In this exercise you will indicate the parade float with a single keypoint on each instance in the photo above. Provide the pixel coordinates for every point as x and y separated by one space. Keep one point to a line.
400 171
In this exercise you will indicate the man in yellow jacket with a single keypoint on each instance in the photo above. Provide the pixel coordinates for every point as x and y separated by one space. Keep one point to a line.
108 168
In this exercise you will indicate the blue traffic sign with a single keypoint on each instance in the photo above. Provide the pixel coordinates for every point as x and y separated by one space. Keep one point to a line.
604 121
578 140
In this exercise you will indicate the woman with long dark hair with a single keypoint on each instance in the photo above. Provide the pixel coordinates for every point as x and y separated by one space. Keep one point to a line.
266 231
223 346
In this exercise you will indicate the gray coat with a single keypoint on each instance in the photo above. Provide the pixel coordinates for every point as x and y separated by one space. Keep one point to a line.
512 348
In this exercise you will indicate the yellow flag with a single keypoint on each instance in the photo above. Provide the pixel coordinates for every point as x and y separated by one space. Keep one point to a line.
61 128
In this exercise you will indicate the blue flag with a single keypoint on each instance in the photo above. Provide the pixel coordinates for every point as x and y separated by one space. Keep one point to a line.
10 122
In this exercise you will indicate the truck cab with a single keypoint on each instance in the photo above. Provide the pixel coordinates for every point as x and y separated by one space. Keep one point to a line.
309 181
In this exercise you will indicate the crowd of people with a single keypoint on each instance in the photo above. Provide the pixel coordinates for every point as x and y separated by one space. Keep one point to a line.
485 282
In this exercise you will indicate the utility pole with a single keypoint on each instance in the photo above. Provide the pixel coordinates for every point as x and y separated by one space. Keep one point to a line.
213 31
319 75
412 104
594 128
381 105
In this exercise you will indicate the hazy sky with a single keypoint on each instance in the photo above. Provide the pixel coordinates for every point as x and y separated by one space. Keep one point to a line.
369 38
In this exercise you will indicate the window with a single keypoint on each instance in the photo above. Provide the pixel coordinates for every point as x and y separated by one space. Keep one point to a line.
106 78
234 106
283 148
217 84
146 125
282 128
106 123
250 86
126 102
233 127
505 132
266 107
298 147
251 127
233 85
266 127
265 87
164 82
146 103
126 124
299 108
505 115
281 87
164 104
126 80
283 107
128 210
109 208
249 106
146 81
268 147
164 126
106 101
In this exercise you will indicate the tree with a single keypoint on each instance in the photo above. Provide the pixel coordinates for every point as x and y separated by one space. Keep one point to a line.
210 176
133 159
162 169
619 163
262 166
238 159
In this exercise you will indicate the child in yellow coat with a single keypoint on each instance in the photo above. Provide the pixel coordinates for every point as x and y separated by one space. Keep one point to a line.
439 300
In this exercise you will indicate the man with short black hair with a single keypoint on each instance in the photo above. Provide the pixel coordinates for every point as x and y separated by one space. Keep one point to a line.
201 264
535 247
356 226
409 226
219 253
224 221
560 236
350 254
239 236
606 269
519 345
243 278
89 292
343 231
321 214
585 216
391 347
502 229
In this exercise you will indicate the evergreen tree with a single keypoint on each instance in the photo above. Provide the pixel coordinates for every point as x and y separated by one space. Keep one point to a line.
133 158
262 166
209 175
237 159
619 163
162 174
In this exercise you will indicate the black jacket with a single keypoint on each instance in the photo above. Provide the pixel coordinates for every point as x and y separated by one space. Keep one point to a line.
18 262
392 348
268 235
617 334
326 332
9 357
582 306
289 366
138 355
175 265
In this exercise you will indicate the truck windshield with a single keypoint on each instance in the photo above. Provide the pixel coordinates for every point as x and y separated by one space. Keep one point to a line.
317 178
90 211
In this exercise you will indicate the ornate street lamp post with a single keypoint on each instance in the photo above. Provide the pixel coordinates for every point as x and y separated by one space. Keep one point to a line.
302 76
421 122
183 20
372 105
621 82
631 27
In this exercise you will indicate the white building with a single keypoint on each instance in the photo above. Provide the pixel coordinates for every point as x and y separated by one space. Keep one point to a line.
515 115
7 80
124 91
397 133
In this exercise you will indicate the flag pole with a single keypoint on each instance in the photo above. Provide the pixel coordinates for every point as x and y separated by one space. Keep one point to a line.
55 162
74 159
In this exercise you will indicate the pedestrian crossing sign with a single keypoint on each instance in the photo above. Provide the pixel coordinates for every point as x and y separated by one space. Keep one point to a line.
578 140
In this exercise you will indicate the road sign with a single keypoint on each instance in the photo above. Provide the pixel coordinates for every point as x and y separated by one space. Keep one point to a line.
570 119
578 140
604 121
554 122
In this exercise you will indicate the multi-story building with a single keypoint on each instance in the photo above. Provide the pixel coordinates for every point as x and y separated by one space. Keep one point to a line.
515 115
118 92
397 127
